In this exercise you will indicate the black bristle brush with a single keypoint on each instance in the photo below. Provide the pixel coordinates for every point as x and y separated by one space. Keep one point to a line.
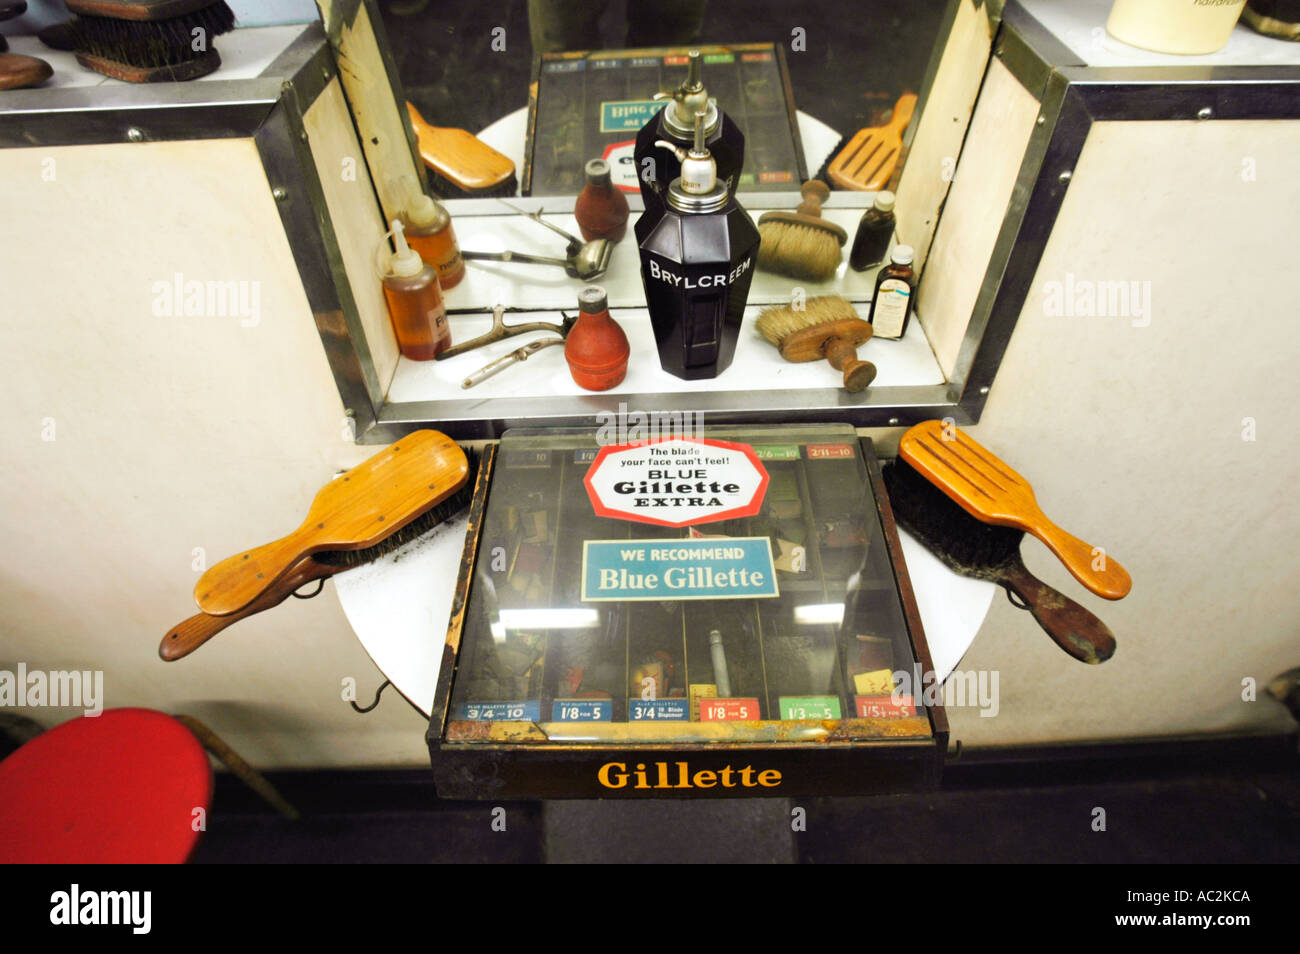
188 636
149 41
986 552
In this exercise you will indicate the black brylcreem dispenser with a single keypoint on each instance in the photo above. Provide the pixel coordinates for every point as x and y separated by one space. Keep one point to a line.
676 124
697 262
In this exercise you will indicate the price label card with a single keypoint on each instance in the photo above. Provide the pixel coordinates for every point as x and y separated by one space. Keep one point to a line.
884 707
810 707
729 710
528 711
582 710
878 682
829 451
777 451
697 691
657 710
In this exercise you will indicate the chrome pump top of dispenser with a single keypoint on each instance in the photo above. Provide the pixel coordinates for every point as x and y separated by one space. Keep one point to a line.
676 123
687 100
697 189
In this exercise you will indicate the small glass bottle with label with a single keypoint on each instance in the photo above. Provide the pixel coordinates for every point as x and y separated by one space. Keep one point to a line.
891 305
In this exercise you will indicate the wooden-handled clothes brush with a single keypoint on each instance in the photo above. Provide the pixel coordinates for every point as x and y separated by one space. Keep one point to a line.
358 510
989 490
801 244
866 161
828 328
148 41
461 163
987 552
189 635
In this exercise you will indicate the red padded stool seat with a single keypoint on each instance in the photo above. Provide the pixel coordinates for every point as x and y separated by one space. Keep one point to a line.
118 788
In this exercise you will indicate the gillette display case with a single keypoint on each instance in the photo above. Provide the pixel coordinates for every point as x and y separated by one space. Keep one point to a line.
720 614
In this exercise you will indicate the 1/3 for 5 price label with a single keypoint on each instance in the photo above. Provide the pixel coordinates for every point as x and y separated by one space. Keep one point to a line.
729 710
810 707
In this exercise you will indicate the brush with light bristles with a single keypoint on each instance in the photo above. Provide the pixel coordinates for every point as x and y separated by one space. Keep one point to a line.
149 41
826 327
801 244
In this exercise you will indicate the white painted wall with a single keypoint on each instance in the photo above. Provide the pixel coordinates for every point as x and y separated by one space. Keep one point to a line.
1132 434
170 433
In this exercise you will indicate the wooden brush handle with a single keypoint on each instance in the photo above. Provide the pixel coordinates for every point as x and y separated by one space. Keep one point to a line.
236 582
1110 582
903 110
1073 628
842 354
814 193
198 629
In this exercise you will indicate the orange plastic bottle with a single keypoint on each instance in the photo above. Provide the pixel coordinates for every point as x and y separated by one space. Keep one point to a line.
429 232
415 303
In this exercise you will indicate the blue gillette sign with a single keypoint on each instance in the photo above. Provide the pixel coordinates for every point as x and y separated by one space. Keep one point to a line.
720 568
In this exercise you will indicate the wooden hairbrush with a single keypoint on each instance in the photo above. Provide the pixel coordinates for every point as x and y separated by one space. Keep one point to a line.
989 490
355 511
827 328
867 161
984 551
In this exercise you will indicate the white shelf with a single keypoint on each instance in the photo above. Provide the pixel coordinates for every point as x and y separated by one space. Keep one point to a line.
1081 25
545 290
757 365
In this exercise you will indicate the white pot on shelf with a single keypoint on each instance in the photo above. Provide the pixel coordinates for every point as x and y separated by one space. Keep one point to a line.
1189 27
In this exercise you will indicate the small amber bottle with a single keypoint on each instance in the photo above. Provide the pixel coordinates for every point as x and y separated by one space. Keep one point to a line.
891 305
429 232
875 231
415 303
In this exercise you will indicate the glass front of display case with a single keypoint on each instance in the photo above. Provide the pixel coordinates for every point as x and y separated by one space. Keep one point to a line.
733 585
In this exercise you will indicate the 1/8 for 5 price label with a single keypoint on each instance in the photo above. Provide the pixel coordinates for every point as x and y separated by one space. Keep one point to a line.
729 710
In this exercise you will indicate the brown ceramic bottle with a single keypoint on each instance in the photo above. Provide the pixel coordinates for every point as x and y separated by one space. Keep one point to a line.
596 347
601 209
